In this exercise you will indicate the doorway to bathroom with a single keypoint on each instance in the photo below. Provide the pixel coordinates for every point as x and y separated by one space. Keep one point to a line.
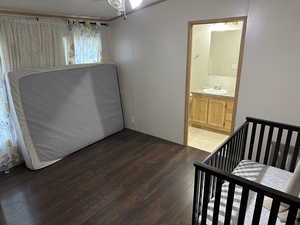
215 52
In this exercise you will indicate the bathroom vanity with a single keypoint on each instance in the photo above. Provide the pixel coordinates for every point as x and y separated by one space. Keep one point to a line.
213 112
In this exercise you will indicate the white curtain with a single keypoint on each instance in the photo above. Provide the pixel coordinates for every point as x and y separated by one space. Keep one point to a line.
25 43
105 44
31 43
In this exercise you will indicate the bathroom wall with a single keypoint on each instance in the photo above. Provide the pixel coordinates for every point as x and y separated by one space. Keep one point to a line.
200 56
214 58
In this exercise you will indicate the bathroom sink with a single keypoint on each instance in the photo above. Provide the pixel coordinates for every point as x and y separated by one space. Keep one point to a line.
215 91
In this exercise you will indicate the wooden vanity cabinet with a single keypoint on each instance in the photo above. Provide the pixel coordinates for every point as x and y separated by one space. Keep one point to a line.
212 112
199 109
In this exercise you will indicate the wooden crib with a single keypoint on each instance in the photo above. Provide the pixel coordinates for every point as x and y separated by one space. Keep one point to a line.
264 142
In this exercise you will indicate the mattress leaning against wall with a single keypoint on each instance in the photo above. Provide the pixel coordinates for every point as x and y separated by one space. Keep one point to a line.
62 110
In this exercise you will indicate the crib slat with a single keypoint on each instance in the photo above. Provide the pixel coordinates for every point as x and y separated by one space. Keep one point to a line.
277 146
286 149
211 181
261 137
233 152
200 193
224 159
229 203
213 178
258 208
243 206
295 154
195 201
292 215
239 145
221 158
252 140
274 212
217 202
242 148
222 154
226 156
270 136
218 160
245 138
205 199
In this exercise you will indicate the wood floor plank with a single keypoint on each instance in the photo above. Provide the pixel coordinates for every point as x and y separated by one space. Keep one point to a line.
128 178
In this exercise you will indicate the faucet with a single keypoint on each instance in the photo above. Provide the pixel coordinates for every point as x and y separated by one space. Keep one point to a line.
218 87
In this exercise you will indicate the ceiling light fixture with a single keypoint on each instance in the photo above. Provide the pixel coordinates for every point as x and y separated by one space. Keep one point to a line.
135 3
120 5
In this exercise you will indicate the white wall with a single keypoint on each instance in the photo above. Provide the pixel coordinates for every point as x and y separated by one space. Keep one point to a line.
271 73
151 48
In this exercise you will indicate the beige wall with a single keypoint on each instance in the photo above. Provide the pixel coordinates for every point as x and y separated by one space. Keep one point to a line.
151 49
200 56
224 52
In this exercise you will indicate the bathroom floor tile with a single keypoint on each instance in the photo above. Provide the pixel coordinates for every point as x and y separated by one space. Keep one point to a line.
204 139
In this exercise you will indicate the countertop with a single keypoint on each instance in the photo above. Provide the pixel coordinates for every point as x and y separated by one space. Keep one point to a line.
201 92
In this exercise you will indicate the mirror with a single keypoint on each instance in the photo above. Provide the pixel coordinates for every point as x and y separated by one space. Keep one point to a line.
224 52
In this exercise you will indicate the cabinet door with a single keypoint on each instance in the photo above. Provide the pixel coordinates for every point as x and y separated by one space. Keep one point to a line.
199 109
216 112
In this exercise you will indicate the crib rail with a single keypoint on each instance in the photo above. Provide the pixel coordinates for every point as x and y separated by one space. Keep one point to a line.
201 202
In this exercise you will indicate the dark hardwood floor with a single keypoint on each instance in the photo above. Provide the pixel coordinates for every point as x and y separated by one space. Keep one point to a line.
126 179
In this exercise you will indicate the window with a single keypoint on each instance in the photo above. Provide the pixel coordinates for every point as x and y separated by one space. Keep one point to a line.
87 48
84 46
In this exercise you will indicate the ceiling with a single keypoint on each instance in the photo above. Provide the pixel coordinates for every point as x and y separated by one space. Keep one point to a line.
87 8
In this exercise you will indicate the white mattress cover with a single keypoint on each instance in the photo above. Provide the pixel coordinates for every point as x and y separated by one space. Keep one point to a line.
24 140
266 175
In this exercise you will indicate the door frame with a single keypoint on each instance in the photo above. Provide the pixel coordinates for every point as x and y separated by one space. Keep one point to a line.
188 66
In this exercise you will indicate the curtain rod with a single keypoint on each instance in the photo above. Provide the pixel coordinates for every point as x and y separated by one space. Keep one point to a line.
92 23
80 18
